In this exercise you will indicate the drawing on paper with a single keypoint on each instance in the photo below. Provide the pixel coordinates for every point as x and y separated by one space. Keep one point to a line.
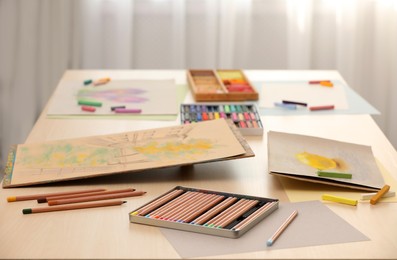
321 162
127 95
190 149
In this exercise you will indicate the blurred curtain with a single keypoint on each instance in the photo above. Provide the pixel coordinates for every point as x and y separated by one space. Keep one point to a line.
40 39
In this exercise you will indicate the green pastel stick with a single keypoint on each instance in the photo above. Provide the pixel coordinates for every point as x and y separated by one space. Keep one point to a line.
342 175
90 103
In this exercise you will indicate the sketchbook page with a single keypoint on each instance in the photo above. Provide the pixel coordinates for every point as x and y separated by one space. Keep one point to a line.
299 91
316 221
303 191
302 156
153 97
131 151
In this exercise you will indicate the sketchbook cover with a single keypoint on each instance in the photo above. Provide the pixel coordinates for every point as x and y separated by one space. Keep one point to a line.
70 159
300 157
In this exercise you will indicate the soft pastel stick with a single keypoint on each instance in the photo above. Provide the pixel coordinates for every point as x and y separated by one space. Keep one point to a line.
368 196
379 194
318 81
128 110
294 103
88 108
287 106
116 107
326 107
339 199
89 103
216 115
326 84
334 174
87 82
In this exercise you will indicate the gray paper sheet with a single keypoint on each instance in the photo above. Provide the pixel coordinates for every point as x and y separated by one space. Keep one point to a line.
314 225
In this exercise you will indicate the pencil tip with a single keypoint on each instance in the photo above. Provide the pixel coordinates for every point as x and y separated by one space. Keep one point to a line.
124 201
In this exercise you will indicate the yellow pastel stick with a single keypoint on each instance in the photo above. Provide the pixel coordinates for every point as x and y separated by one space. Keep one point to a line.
379 194
339 199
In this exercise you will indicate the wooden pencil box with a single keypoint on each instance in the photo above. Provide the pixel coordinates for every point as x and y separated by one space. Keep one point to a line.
205 211
220 85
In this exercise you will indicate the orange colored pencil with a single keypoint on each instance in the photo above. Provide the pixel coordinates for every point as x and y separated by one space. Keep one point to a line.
171 213
73 206
171 205
96 197
200 207
159 202
194 203
216 219
83 195
237 213
212 212
210 204
253 216
43 195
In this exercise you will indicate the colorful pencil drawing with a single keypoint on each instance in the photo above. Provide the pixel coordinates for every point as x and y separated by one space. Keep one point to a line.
321 162
119 95
190 149
124 152
135 148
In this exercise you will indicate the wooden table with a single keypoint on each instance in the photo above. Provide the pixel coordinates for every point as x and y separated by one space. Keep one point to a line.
106 233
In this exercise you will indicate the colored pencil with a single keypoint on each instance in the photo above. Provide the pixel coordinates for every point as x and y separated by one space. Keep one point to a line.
215 200
96 197
214 221
182 209
215 210
83 195
253 216
281 229
237 213
72 206
172 204
159 202
44 195
177 210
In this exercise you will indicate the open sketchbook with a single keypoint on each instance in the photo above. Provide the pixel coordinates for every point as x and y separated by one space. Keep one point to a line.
300 157
77 158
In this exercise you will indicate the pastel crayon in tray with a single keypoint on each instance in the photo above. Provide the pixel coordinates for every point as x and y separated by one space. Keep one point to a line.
205 211
221 85
245 116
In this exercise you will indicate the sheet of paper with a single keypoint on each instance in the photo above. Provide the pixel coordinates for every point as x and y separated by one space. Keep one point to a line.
302 156
315 221
131 151
299 91
182 90
153 97
297 190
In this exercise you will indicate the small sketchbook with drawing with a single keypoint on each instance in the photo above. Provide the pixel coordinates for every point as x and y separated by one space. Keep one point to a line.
304 157
70 159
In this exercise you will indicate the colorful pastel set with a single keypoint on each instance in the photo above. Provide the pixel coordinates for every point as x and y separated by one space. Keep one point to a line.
204 211
220 85
245 117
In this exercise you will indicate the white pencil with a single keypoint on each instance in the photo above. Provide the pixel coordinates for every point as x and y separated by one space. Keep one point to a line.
280 230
